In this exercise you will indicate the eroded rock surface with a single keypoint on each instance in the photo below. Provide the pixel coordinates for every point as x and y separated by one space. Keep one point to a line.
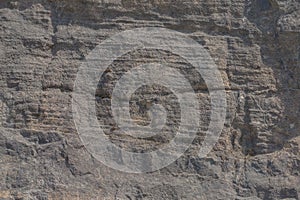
256 46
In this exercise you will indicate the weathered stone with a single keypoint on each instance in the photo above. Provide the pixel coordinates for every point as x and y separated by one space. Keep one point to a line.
255 45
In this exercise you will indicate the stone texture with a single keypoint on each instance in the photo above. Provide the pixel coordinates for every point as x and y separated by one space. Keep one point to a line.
256 46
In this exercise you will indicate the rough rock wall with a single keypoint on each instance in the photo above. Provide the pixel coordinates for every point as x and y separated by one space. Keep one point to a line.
255 44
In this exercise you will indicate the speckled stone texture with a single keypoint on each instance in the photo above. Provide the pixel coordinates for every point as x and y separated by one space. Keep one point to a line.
256 46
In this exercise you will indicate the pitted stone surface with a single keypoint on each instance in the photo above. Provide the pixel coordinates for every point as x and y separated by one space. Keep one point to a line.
256 46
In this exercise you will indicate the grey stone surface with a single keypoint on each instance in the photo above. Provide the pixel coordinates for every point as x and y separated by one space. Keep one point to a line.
256 46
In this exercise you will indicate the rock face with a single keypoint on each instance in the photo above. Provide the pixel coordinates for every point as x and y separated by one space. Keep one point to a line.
256 46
